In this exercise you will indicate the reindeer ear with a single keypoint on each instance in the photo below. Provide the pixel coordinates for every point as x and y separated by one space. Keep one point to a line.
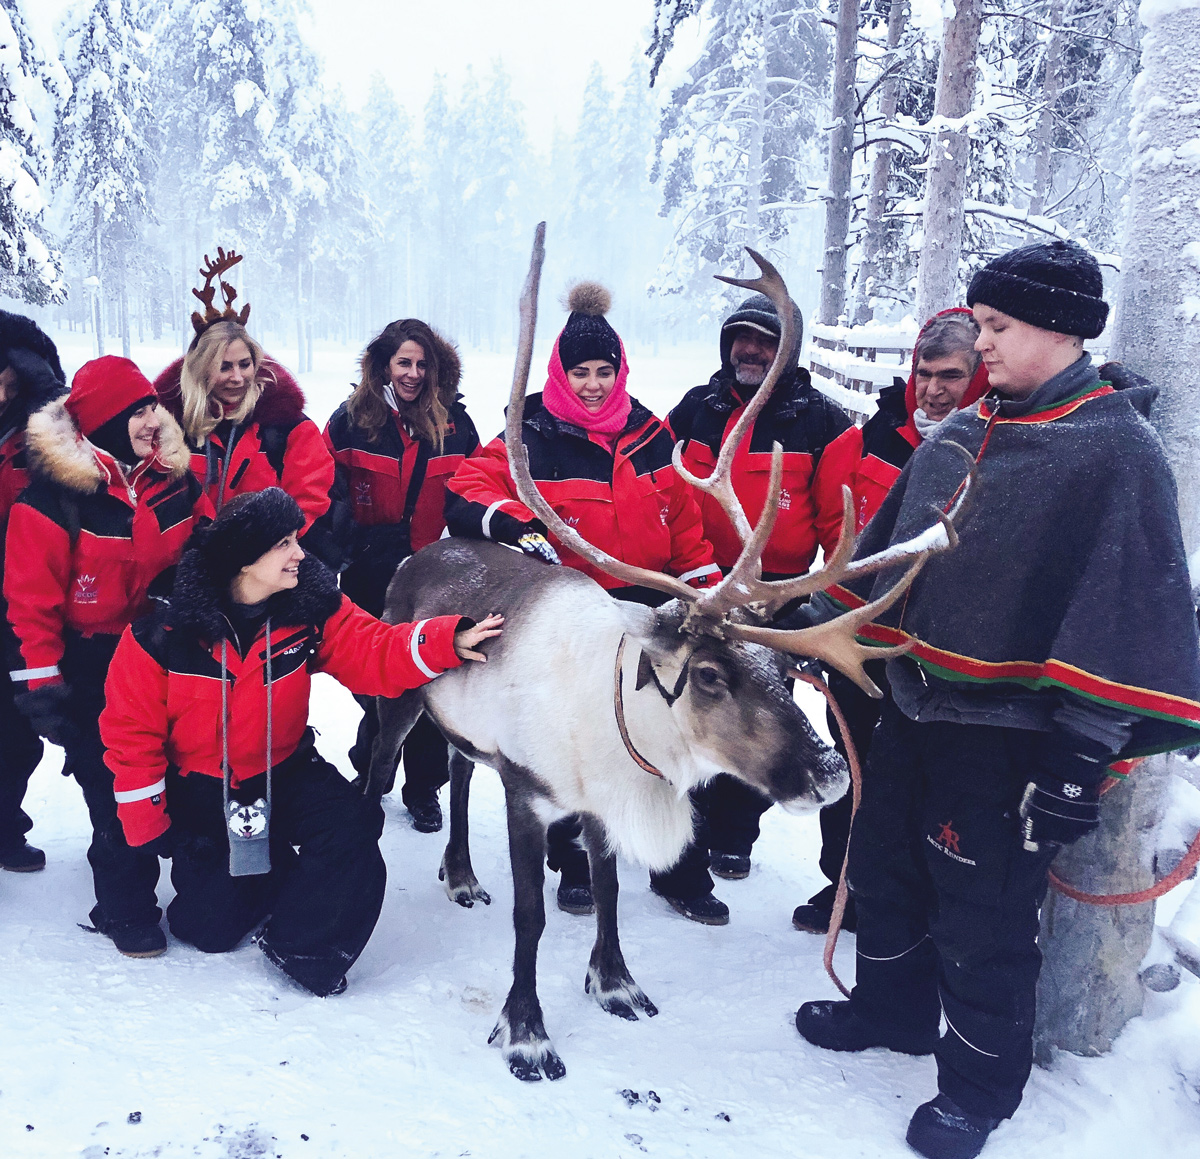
645 672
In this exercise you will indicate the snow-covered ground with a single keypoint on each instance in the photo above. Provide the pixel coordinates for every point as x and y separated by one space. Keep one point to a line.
217 1058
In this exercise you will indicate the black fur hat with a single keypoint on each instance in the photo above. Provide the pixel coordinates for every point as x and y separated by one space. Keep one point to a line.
20 332
587 334
247 528
1053 285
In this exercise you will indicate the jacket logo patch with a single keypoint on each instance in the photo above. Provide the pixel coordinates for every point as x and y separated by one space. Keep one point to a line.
571 520
362 493
947 842
421 638
86 589
785 499
663 513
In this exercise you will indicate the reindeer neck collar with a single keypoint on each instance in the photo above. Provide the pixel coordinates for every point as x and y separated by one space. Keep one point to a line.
619 704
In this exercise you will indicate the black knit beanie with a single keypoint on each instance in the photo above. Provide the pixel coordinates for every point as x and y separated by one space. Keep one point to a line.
247 528
113 436
1054 285
587 334
758 313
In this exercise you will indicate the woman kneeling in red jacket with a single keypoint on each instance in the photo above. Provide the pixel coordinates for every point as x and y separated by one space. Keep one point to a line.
196 695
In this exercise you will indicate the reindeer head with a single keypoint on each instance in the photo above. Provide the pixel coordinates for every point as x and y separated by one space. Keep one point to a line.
715 651
208 292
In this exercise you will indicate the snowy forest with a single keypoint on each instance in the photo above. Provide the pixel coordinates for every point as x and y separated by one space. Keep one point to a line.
141 133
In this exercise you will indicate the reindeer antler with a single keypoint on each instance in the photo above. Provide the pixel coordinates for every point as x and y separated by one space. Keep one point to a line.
834 641
213 269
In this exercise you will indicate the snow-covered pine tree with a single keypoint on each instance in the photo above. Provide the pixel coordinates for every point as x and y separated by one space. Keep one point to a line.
737 143
106 151
32 83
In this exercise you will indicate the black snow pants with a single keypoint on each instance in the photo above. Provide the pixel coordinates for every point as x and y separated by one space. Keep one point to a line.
125 878
20 748
425 752
948 899
323 899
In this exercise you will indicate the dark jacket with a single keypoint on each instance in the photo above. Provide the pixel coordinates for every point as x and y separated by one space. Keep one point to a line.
85 541
163 693
629 503
279 446
804 422
1067 603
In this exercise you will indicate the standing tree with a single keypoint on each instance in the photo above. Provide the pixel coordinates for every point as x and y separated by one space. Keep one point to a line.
30 84
104 149
736 143
942 220
1089 987
841 164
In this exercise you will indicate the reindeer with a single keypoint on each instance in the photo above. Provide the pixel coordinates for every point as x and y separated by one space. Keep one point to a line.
613 710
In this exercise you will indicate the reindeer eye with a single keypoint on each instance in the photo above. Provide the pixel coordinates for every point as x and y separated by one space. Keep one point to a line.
709 678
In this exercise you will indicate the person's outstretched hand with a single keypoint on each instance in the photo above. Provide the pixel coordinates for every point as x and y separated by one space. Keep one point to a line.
468 640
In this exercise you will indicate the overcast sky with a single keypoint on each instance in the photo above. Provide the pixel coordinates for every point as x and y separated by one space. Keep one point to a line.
547 46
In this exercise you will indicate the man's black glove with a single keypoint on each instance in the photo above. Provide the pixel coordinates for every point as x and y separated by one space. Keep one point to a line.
1062 801
536 544
48 710
162 846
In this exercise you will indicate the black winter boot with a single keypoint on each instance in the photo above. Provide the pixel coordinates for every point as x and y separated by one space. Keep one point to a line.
837 1026
425 811
813 917
941 1129
705 908
23 858
731 866
134 941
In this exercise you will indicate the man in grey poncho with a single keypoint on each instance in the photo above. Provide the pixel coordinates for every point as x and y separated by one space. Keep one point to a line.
1070 643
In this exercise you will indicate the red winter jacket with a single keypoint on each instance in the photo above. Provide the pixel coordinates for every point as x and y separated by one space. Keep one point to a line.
804 422
869 459
163 692
630 503
84 541
278 447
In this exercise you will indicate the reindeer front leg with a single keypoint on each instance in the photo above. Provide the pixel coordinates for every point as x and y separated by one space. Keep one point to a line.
456 871
520 1032
608 978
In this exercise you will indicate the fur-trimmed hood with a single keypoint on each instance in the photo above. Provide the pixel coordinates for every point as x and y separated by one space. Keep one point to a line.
449 367
58 451
197 604
281 401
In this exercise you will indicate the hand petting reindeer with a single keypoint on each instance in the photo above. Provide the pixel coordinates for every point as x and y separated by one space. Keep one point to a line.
615 711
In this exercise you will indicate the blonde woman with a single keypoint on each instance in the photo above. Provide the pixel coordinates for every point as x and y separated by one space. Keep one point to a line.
243 416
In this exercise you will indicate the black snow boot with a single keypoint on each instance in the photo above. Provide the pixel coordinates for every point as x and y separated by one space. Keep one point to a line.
425 811
941 1129
837 1026
575 888
705 908
134 941
23 858
813 917
731 866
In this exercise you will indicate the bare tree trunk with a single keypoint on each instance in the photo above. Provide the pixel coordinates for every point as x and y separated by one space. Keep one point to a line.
942 225
123 314
881 172
1090 987
841 165
99 309
754 162
1044 135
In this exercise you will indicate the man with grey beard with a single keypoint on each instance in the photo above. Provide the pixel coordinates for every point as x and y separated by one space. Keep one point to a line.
803 421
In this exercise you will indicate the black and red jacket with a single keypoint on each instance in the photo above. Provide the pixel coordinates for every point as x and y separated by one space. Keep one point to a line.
869 459
629 502
85 539
804 422
376 476
163 692
279 446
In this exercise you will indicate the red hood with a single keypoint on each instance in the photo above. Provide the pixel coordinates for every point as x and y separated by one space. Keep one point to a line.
976 388
281 402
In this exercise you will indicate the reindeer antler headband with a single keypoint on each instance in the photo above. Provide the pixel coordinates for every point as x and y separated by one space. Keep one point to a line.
214 269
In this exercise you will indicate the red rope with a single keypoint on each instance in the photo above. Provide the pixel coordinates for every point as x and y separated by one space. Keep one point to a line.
839 901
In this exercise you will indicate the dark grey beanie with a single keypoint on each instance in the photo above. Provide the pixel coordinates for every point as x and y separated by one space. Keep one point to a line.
1054 285
759 313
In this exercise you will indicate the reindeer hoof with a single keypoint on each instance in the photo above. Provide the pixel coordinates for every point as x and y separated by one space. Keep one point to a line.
464 891
623 998
528 1060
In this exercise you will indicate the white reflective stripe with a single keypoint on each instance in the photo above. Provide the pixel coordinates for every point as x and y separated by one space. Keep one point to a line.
141 794
34 673
710 569
986 1053
413 647
894 956
486 526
